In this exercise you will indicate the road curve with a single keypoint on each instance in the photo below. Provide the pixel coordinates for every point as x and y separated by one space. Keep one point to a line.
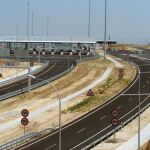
50 71
93 125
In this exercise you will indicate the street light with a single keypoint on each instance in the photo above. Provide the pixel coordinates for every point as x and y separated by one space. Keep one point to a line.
58 94
105 32
139 118
29 67
89 26
47 31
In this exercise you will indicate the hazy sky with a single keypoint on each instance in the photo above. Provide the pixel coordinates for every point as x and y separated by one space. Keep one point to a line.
128 20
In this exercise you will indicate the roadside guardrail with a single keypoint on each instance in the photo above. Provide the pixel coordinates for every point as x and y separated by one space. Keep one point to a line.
23 90
15 143
23 76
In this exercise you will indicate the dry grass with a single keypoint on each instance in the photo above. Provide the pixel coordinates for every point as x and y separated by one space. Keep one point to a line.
146 146
105 91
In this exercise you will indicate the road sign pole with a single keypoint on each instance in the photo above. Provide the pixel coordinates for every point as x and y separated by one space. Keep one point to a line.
24 130
105 33
139 118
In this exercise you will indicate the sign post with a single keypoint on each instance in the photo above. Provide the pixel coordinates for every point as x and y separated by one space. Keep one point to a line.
24 120
115 119
120 73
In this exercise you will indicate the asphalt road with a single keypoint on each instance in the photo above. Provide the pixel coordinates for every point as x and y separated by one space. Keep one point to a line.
93 125
54 68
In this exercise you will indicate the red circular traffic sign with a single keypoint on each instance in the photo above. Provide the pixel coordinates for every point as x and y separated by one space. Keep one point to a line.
24 121
115 122
25 113
115 113
121 70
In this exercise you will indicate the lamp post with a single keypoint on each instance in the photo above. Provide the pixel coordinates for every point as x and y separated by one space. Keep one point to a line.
89 26
58 94
32 23
29 67
47 26
139 118
105 32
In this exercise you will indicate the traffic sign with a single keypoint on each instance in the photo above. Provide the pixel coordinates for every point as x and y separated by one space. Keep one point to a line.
115 113
121 70
90 93
115 121
120 73
24 121
25 113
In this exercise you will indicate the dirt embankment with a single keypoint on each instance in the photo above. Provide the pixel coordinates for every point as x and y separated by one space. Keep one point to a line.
146 146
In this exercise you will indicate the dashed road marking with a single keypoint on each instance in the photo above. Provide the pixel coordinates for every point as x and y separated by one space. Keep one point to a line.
130 99
119 107
81 130
48 148
103 117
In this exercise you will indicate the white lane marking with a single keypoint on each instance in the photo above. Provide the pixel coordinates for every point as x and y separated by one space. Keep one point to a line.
130 99
48 148
46 70
103 117
81 130
119 107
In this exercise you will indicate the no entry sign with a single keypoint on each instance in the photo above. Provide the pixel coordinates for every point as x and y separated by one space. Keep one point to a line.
25 113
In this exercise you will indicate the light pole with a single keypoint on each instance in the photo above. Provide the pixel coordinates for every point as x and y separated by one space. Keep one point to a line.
58 94
105 32
32 23
139 118
29 68
89 26
47 32
28 13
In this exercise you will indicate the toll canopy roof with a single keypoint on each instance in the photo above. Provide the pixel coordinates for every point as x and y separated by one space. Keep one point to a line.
45 39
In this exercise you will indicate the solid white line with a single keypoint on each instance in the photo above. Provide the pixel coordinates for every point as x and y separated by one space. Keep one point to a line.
46 70
144 94
48 148
81 130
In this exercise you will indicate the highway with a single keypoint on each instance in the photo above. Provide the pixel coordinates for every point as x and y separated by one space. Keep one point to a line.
96 123
54 68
